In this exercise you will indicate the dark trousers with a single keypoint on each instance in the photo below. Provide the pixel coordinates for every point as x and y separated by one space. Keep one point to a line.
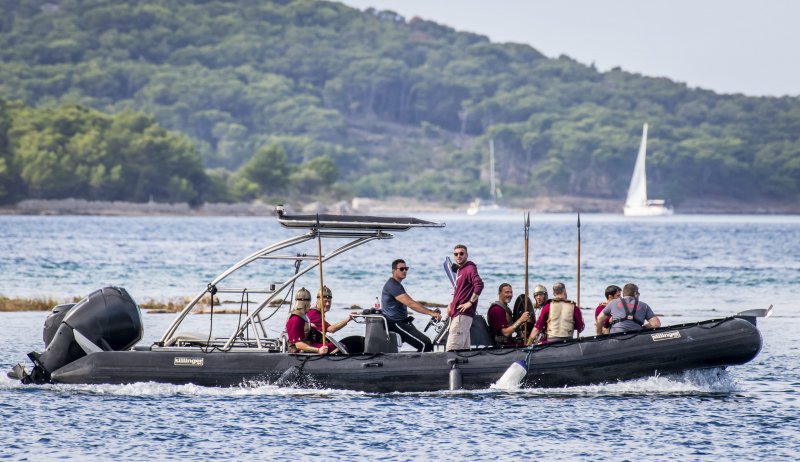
411 335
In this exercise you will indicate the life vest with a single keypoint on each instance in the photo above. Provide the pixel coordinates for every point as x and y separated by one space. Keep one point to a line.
630 313
561 320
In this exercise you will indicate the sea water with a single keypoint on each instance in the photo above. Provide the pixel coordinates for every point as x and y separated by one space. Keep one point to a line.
687 267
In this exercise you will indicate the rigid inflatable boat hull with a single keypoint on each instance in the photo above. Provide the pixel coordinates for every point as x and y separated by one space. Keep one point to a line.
591 360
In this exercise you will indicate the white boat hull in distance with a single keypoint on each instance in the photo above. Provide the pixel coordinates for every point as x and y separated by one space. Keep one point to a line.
653 208
488 209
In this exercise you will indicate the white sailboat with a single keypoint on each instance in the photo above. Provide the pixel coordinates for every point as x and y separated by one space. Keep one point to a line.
492 207
637 204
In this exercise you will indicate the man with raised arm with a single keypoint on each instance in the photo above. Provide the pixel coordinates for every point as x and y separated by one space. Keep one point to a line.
395 304
465 300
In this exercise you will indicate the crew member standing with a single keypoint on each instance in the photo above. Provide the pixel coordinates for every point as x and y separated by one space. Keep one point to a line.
465 299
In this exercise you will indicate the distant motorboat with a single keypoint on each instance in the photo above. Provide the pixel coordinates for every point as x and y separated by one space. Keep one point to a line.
490 207
637 204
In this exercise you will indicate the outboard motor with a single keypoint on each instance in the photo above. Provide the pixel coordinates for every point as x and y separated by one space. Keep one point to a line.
107 320
53 321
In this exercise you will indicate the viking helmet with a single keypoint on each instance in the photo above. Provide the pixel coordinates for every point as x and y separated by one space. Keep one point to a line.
540 289
325 292
303 295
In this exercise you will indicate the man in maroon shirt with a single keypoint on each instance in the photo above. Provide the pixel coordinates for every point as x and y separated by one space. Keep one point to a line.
501 323
465 298
612 292
559 318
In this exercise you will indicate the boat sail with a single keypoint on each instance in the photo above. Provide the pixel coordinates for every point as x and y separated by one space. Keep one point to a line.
490 207
637 204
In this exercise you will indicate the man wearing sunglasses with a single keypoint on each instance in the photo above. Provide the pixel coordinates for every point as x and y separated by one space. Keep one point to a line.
465 300
395 304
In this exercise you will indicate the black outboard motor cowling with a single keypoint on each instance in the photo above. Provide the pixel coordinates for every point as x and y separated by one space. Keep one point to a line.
53 321
107 320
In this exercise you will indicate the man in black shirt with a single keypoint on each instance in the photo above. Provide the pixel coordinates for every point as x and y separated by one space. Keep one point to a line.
395 303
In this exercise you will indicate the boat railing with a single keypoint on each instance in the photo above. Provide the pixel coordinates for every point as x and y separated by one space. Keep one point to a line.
355 230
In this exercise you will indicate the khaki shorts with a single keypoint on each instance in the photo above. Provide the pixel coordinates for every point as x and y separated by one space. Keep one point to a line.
458 334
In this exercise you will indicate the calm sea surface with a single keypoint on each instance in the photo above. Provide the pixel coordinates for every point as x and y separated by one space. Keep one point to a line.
687 267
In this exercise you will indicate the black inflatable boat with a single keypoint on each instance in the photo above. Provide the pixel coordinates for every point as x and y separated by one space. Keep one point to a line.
94 341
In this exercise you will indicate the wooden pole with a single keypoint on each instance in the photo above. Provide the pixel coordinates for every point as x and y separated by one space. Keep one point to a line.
578 301
321 285
579 260
527 224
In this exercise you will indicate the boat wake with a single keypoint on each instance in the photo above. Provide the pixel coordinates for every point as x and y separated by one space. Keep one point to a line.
708 381
703 382
153 389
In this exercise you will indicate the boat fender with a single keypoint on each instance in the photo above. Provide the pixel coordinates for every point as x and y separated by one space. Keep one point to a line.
455 378
512 377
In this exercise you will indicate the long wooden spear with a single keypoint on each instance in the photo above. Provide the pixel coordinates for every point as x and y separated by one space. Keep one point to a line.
579 266
321 286
527 226
579 259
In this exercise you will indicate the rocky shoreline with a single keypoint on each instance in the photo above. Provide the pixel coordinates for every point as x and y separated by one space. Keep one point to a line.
359 205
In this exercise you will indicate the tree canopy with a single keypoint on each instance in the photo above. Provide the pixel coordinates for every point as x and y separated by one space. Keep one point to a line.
375 102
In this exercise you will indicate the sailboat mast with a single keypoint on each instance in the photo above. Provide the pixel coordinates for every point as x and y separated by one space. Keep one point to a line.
491 169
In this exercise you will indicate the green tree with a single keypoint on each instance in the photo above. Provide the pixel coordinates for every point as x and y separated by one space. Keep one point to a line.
268 168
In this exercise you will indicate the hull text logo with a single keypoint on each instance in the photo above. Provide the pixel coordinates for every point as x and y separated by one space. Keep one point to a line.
666 336
188 361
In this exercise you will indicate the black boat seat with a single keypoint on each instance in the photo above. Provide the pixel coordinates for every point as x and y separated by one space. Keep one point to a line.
479 334
377 338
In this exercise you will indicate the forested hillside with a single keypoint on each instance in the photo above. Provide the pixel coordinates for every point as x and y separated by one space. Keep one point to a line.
287 97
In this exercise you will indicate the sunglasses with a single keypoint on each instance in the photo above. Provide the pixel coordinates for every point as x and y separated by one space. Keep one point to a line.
459 254
403 269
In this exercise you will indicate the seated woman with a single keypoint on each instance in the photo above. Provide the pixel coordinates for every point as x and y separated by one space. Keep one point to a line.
302 336
324 298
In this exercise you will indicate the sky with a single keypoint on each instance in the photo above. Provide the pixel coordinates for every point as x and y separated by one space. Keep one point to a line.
728 46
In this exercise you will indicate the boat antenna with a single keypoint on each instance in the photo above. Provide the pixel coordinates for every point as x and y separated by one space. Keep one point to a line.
527 225
321 286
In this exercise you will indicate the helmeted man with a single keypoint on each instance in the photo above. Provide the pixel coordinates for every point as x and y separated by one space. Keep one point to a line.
302 337
559 318
628 313
324 299
540 297
501 321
